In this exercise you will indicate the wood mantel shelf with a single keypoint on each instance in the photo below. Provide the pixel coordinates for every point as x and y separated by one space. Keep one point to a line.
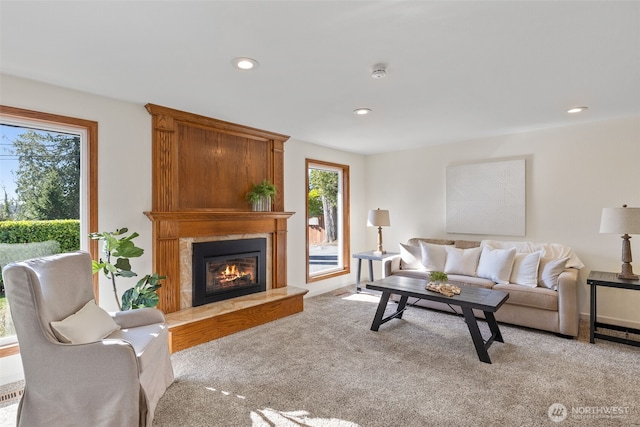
214 215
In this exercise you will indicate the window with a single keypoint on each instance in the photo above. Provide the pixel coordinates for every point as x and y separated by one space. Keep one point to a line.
77 129
327 186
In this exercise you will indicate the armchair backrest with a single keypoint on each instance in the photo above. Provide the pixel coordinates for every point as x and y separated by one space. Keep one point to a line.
44 290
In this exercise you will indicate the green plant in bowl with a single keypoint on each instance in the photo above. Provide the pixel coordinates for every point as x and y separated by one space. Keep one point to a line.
438 277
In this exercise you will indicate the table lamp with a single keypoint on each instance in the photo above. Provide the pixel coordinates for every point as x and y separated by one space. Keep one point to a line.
623 221
378 218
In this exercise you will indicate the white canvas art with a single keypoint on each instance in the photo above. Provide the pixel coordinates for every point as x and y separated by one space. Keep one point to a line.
486 198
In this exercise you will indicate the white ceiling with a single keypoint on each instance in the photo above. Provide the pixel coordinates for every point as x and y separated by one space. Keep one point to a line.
456 70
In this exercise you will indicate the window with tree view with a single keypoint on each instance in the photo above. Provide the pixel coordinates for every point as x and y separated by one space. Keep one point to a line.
40 187
327 219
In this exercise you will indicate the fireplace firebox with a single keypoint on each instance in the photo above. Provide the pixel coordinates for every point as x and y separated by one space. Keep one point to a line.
227 269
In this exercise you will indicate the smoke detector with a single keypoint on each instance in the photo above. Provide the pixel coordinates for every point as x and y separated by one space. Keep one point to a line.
379 71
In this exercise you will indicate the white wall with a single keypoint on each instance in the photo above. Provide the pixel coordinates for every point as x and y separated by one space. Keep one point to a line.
295 153
571 174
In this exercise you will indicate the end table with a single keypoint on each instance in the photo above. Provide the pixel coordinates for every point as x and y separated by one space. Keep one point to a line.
370 256
610 280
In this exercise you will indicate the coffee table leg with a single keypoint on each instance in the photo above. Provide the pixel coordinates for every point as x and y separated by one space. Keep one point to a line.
493 326
478 342
382 306
401 305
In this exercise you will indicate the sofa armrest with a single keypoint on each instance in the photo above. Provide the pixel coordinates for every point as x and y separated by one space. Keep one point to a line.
389 265
568 302
139 317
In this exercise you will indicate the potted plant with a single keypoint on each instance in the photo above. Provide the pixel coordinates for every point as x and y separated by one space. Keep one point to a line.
116 245
438 277
260 196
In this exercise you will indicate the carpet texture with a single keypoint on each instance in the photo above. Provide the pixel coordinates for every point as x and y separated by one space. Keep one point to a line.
324 367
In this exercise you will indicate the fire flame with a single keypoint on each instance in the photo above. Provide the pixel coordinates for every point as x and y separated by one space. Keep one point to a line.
231 272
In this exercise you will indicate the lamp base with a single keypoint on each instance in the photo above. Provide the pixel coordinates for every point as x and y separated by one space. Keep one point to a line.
626 271
628 276
379 253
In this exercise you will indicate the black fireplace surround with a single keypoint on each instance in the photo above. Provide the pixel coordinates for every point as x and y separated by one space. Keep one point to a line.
227 269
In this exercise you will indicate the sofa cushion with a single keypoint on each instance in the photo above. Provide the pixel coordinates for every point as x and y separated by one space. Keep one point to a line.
550 270
410 257
476 282
433 256
550 250
415 241
467 244
542 298
414 274
525 269
89 324
462 261
496 264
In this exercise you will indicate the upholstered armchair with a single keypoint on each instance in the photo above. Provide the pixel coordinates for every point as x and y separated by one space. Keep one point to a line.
83 366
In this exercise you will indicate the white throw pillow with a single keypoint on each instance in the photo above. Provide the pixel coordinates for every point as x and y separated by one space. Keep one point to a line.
410 257
551 250
525 269
90 324
433 256
550 270
496 264
462 261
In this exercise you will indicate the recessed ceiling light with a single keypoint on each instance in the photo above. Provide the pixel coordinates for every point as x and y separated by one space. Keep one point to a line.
361 111
576 110
244 63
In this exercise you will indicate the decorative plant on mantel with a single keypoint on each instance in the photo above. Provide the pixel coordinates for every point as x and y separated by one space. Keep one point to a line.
143 294
260 196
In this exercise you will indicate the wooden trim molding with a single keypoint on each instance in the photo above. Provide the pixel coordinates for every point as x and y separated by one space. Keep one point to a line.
9 350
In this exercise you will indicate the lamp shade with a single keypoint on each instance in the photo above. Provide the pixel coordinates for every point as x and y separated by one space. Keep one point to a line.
620 220
378 218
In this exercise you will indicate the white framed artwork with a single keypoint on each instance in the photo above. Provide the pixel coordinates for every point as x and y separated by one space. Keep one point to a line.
486 198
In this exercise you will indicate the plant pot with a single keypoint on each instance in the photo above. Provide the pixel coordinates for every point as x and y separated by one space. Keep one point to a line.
262 204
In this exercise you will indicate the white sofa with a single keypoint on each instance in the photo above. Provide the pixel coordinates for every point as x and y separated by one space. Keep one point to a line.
541 278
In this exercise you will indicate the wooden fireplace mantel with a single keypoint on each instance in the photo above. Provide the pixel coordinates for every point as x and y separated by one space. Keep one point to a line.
209 215
201 170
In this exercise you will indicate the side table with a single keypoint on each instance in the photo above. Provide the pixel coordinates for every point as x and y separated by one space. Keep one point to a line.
370 256
610 280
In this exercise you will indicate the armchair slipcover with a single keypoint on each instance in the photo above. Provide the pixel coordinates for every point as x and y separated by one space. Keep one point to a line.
116 381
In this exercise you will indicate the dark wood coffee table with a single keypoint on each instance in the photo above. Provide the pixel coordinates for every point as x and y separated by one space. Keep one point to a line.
470 298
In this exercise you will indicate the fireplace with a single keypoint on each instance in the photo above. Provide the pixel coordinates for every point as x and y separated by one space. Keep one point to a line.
227 269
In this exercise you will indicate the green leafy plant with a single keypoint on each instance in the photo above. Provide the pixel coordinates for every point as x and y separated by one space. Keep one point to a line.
116 245
438 276
143 294
258 191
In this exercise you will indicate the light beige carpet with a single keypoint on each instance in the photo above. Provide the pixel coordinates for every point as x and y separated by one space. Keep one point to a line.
324 367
